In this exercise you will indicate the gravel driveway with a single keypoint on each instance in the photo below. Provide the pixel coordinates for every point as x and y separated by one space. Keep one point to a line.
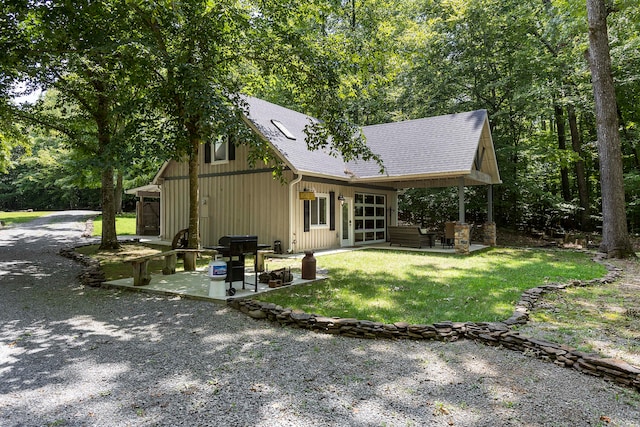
75 356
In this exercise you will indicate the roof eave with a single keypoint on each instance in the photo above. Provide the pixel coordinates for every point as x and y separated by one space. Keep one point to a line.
414 177
157 179
149 188
325 175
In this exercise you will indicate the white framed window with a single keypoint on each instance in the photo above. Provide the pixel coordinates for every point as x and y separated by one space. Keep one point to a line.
217 151
319 211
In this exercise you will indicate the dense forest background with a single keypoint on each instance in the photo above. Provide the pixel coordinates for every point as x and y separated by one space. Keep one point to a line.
391 60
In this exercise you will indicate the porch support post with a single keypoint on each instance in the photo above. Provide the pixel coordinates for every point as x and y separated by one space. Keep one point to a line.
161 224
490 203
461 218
140 216
490 233
462 231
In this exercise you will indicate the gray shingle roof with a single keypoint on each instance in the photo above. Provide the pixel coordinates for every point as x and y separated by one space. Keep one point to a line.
294 152
433 147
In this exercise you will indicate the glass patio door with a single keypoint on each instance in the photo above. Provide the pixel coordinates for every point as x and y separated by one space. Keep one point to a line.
370 218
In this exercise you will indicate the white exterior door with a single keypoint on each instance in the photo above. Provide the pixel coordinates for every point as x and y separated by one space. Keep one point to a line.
346 222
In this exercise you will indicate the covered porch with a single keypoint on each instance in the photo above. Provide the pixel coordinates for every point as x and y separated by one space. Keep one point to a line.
454 151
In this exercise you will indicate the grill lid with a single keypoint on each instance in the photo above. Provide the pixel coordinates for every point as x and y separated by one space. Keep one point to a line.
227 240
239 244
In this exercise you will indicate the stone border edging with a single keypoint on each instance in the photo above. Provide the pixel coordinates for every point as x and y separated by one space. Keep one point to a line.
490 333
92 274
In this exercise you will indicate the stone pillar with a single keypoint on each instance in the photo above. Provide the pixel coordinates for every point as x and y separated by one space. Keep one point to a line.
462 238
490 233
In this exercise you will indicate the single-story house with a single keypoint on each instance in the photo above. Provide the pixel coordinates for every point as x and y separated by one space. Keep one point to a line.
325 202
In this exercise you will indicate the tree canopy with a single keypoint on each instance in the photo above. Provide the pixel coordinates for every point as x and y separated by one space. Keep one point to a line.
139 80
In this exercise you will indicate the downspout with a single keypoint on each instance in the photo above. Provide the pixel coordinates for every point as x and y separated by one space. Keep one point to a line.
292 184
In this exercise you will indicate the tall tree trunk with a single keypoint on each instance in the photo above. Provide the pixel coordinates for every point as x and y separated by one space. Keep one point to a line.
109 236
353 14
118 193
581 176
102 117
562 145
615 237
194 199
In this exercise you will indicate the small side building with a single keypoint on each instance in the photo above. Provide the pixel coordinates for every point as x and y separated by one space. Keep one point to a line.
147 209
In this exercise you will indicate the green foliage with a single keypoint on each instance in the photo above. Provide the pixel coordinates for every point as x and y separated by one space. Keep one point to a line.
12 141
632 190
49 178
391 286
518 60
428 207
148 77
11 135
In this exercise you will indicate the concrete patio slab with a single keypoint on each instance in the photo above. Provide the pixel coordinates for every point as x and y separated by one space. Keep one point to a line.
197 285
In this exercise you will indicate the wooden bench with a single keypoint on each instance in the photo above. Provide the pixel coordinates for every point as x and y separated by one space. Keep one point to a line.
410 236
260 258
141 275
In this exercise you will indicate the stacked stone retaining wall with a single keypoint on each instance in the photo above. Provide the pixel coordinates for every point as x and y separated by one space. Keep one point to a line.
491 333
92 274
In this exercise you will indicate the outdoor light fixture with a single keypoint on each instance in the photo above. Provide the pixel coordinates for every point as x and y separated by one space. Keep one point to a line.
341 198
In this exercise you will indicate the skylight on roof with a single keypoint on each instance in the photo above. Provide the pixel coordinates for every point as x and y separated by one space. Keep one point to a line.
282 128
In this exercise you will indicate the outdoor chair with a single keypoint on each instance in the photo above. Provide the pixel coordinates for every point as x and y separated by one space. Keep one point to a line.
449 234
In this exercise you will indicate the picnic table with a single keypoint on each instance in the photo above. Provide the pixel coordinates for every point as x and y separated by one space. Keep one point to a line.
141 275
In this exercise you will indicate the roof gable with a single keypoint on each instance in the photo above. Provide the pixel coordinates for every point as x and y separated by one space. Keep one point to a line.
433 145
442 147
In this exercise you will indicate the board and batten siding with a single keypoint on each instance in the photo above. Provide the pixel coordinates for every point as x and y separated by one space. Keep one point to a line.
234 199
174 203
252 203
324 238
315 238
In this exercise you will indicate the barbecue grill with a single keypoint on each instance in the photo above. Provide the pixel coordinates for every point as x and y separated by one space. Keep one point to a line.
234 249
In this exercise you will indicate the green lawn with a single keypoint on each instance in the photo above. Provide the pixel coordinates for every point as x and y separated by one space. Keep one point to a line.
125 224
391 286
19 217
